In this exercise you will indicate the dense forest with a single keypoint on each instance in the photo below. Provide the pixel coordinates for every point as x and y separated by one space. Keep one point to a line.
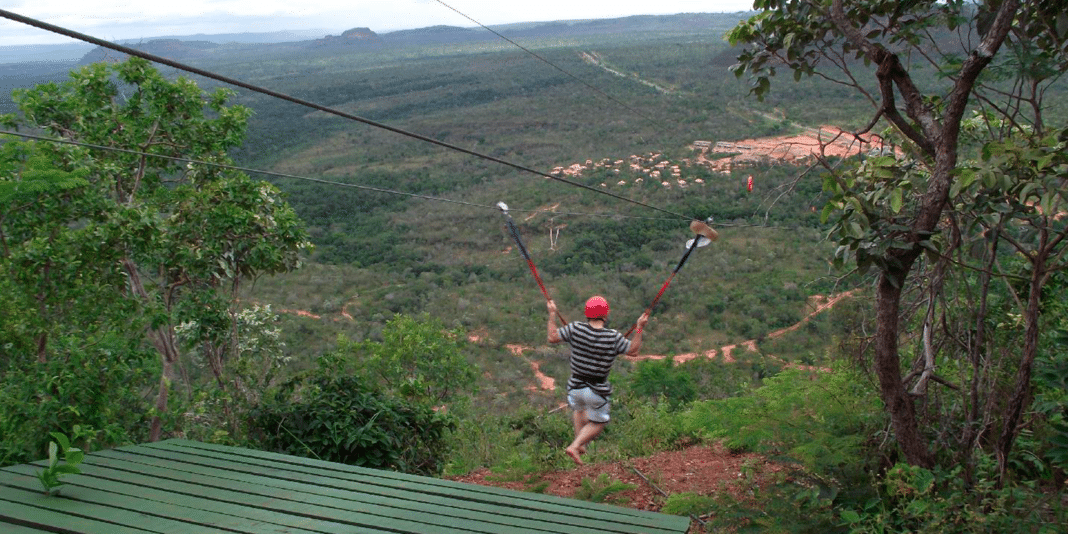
363 301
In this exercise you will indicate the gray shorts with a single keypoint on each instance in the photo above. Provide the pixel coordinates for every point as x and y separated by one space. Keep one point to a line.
587 400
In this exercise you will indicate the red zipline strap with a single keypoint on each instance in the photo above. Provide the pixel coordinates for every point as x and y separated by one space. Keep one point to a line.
534 271
526 255
651 306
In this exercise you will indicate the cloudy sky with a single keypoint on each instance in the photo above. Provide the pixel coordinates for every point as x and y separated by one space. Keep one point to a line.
134 19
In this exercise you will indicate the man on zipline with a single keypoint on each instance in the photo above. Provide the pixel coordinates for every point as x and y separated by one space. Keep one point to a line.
594 349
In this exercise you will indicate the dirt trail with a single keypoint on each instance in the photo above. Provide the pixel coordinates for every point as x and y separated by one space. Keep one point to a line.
593 58
546 382
819 303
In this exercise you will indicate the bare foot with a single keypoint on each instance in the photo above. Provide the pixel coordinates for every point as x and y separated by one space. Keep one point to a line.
574 454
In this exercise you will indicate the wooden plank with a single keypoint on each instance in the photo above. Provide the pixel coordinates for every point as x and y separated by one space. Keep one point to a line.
179 444
189 487
13 514
422 481
562 520
68 503
557 505
166 526
606 518
12 528
281 494
162 508
138 486
242 500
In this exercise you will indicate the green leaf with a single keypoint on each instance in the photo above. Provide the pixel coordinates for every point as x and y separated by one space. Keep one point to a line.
74 456
850 516
64 443
896 200
924 480
1026 190
1047 202
53 456
66 469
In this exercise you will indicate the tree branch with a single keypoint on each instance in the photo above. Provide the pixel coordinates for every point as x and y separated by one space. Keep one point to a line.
142 166
889 74
957 100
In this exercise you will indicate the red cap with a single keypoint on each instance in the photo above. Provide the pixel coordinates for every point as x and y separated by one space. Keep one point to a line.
596 308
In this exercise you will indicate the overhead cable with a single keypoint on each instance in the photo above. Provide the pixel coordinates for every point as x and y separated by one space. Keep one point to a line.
262 90
308 179
651 120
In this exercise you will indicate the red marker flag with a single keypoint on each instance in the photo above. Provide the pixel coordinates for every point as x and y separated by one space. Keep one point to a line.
749 184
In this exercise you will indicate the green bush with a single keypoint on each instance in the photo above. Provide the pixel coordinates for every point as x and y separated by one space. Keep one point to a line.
338 419
815 425
552 430
688 503
601 489
97 388
917 500
641 428
418 359
519 446
1051 401
818 420
662 379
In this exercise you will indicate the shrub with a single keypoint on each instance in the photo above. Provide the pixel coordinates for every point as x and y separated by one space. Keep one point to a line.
688 503
515 447
418 359
917 500
338 419
599 489
641 428
819 420
661 380
95 387
813 424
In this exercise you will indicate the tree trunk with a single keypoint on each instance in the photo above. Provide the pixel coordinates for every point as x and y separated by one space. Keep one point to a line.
163 340
888 368
42 347
165 380
971 424
1021 394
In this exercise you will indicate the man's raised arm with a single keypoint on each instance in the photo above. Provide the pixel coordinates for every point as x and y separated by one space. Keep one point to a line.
554 332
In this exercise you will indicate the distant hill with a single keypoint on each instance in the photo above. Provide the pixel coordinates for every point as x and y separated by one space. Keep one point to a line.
175 49
682 22
77 50
437 35
353 37
184 48
634 25
284 36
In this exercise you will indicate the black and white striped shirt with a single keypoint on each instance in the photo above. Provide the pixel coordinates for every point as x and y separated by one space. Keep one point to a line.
593 351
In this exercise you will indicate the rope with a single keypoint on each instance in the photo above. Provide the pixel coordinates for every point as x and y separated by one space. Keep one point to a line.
282 96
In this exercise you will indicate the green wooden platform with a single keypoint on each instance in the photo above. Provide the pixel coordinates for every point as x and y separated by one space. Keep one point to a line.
179 486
